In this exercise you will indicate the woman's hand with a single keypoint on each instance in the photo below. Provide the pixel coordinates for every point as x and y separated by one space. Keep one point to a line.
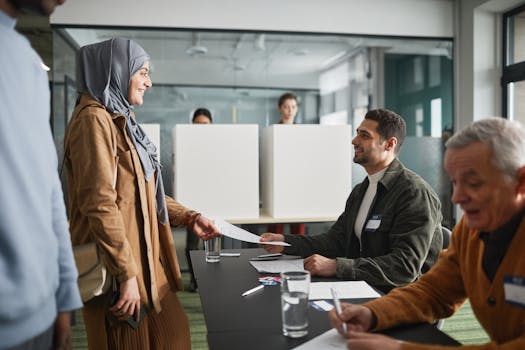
205 228
128 303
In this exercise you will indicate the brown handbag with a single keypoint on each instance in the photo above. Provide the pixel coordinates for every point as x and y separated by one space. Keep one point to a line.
93 277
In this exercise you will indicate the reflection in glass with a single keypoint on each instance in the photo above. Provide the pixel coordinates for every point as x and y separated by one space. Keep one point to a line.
413 86
435 117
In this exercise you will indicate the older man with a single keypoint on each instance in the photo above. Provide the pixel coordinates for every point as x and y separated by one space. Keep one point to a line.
390 231
485 261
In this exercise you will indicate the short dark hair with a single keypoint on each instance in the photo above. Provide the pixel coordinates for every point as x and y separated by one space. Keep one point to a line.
201 111
286 96
389 124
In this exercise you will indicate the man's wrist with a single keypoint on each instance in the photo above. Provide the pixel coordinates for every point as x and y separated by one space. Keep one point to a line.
373 321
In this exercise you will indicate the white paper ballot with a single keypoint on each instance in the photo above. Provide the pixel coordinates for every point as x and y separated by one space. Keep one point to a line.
345 290
278 266
235 232
326 341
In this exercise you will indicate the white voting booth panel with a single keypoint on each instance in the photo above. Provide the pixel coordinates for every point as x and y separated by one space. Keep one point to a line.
153 132
217 169
306 170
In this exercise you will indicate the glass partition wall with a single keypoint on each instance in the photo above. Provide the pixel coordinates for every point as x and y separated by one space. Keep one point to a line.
513 75
239 76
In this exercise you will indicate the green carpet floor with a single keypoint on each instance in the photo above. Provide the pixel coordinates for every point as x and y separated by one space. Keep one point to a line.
463 326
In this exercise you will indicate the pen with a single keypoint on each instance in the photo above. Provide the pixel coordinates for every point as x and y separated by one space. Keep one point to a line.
337 305
253 290
230 254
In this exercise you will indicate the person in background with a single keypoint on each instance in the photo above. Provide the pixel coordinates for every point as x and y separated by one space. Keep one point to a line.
38 277
484 262
287 106
116 199
390 231
200 116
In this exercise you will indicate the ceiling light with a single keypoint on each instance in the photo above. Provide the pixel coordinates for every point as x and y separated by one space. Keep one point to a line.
196 49
260 42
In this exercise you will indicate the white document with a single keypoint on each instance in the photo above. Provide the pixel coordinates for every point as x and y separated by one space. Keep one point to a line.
235 232
326 341
238 233
345 290
278 266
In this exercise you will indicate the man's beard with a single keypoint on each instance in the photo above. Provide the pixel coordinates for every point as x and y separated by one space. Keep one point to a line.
361 159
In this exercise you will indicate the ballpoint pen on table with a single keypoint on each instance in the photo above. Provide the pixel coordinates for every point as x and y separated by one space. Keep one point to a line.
231 254
337 305
253 290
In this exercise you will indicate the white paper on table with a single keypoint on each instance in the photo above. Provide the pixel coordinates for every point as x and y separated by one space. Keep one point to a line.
345 290
323 305
235 232
278 266
326 341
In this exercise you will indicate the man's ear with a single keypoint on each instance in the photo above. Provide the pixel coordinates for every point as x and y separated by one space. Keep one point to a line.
391 143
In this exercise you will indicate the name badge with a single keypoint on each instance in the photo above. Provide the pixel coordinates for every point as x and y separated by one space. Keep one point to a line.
514 287
374 223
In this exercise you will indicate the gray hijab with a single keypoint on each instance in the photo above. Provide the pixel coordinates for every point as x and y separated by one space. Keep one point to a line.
104 71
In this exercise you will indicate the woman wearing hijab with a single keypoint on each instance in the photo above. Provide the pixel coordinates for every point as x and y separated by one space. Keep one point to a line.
116 199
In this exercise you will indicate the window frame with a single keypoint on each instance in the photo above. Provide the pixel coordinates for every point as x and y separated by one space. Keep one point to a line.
511 73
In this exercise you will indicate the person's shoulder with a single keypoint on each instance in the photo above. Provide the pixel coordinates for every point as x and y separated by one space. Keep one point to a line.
408 180
89 109
88 115
13 39
410 176
413 177
18 52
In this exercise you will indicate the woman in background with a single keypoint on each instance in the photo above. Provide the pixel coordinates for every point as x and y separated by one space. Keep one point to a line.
116 199
288 109
200 116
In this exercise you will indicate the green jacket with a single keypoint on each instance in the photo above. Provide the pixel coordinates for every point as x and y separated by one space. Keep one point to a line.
406 243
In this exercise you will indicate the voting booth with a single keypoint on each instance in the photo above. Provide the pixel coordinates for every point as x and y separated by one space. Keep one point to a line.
305 170
216 169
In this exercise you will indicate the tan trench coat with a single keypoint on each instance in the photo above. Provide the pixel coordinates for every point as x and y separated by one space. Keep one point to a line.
121 217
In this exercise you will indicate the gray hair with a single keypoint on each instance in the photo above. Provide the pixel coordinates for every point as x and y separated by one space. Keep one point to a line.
506 139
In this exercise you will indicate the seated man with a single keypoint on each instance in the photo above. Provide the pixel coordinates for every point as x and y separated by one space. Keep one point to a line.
390 231
485 260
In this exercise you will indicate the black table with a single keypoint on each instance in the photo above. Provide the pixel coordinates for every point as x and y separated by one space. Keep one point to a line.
254 321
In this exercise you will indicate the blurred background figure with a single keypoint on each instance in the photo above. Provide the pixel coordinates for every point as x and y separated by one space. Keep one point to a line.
287 107
38 283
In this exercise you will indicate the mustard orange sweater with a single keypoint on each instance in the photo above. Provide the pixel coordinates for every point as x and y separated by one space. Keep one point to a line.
456 276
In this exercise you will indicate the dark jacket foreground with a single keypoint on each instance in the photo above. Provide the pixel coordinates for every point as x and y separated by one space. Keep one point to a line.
406 243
